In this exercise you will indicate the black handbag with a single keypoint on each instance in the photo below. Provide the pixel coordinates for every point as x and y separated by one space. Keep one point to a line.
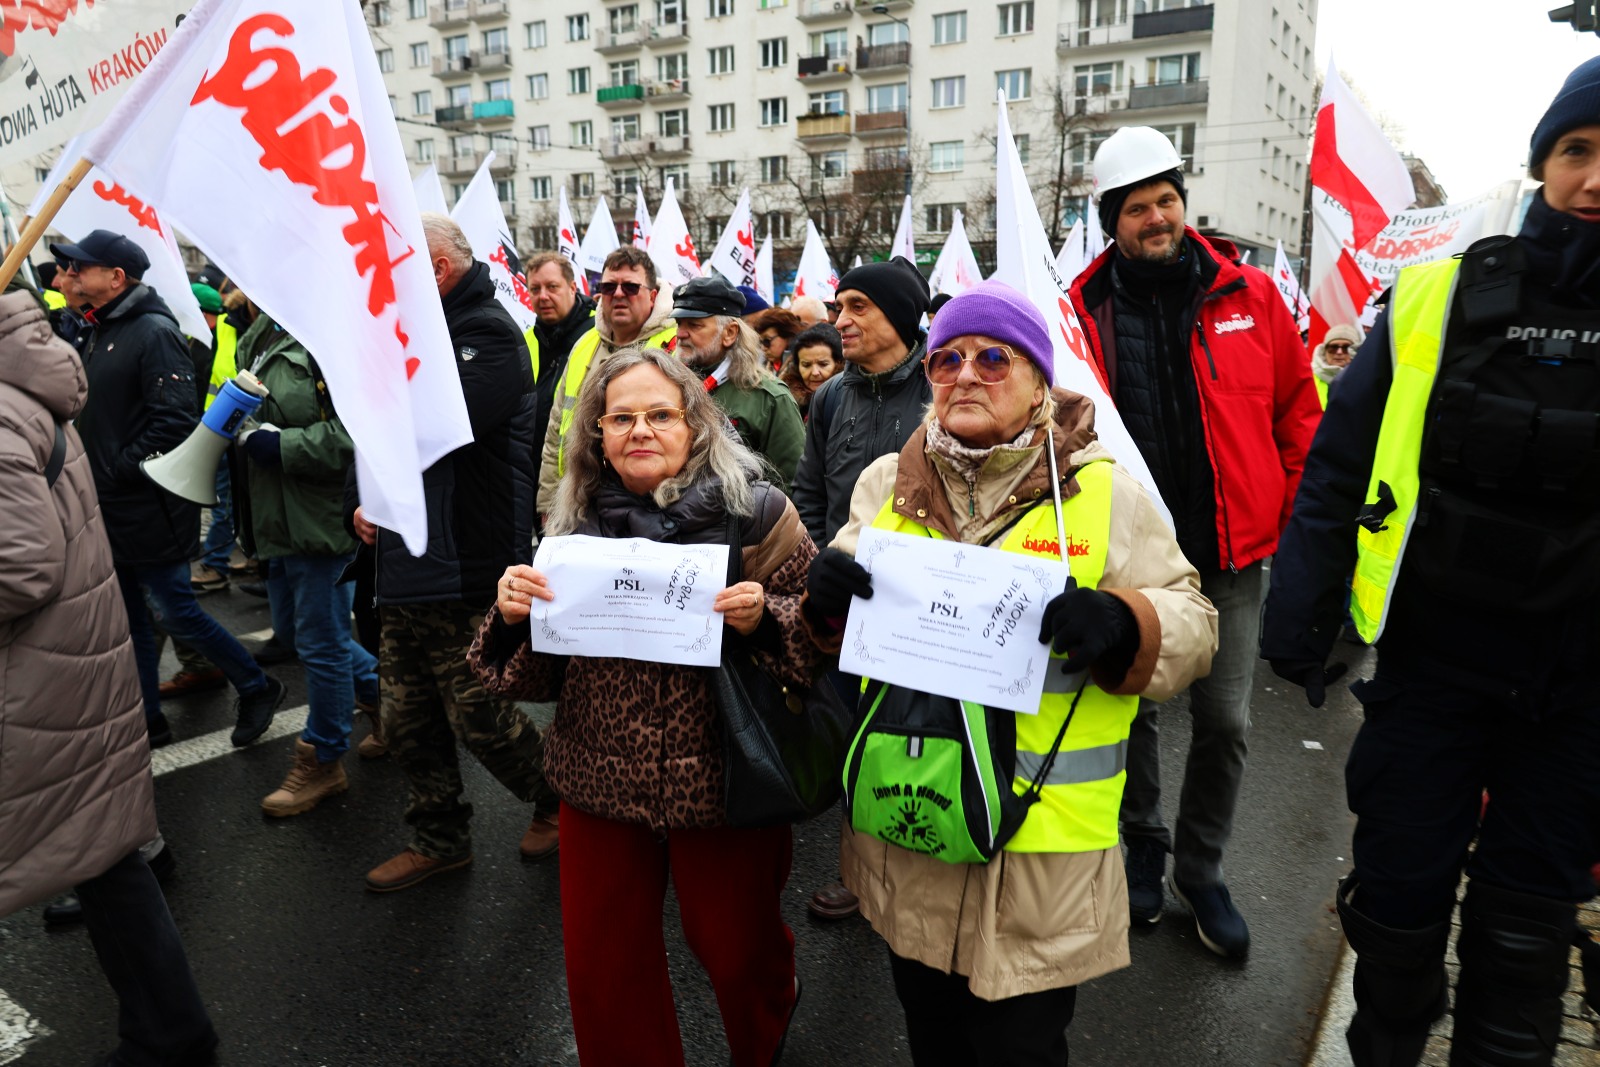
783 747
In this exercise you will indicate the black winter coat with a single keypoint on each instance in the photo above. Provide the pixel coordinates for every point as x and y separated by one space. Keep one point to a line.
479 498
142 400
854 418
555 345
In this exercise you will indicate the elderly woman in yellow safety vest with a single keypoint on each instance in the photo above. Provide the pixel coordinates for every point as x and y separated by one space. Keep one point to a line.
987 953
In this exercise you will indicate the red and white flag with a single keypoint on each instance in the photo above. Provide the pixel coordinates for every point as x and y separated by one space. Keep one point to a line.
98 203
763 281
1289 288
815 276
1359 182
278 105
567 239
956 269
483 220
1024 261
599 240
641 223
735 255
671 245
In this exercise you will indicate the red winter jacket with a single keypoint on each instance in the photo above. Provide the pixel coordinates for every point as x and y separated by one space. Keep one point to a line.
1257 401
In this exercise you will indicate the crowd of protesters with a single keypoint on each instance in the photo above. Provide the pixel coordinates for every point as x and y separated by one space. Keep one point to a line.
699 415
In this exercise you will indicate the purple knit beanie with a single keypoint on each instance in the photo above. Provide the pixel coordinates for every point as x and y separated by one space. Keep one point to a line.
994 309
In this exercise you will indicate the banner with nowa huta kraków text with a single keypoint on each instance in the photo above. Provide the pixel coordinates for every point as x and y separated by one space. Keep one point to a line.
64 63
278 107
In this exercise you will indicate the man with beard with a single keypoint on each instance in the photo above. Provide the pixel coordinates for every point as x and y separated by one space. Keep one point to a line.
563 315
717 344
1207 370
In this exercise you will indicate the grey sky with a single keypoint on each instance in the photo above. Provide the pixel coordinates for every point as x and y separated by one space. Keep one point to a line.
1466 79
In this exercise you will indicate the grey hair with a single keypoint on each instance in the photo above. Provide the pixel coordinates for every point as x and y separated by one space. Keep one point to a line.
446 239
812 305
747 360
714 449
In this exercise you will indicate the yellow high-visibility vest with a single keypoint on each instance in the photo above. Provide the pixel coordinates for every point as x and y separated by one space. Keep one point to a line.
532 340
1078 807
572 379
52 299
1418 312
224 364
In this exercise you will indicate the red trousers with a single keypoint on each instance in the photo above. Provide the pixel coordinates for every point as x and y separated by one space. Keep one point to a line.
728 883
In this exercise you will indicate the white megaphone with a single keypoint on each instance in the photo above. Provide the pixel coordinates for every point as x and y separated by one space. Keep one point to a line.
190 470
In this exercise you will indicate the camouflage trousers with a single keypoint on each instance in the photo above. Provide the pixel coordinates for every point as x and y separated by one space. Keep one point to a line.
431 700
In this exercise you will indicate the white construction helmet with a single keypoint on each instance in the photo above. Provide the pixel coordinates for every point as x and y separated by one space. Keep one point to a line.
1131 155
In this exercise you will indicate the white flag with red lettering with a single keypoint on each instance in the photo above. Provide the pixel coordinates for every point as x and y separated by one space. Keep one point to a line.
671 245
956 269
98 203
735 255
430 193
641 223
764 269
483 220
599 240
277 108
1289 288
1024 261
815 276
567 239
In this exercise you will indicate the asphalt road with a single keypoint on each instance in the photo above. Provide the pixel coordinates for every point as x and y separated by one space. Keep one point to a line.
300 965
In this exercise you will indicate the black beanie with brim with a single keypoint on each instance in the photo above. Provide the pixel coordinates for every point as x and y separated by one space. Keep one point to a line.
1112 200
897 287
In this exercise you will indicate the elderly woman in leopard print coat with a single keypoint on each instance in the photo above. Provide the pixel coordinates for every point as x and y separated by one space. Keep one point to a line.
634 750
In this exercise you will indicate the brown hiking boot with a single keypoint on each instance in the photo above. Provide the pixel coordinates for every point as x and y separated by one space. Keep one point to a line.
542 837
309 780
185 682
409 868
376 743
206 579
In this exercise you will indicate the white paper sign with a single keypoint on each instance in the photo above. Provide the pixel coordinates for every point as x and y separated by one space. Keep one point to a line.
956 620
630 597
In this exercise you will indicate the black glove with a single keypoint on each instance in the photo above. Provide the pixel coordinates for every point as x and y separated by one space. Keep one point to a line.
264 447
1096 629
835 578
1311 676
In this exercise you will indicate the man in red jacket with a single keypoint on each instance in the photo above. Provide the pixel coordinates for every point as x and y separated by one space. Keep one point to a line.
1209 375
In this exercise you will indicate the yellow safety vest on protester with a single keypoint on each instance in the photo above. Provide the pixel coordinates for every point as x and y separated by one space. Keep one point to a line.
1322 391
532 340
223 364
1418 312
52 299
1078 807
572 380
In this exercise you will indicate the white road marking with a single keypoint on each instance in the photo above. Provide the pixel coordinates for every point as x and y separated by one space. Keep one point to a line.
210 746
17 1029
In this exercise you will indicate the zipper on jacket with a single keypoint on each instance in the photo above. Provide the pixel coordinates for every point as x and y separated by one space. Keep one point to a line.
1216 474
1200 332
972 498
1430 497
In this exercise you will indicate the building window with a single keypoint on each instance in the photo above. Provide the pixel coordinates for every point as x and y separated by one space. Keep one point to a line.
720 60
381 15
425 150
538 87
888 33
718 9
418 9
828 165
945 156
1015 18
1023 142
1169 70
950 92
539 188
674 123
882 98
624 182
505 191
422 102
458 95
386 61
830 44
774 169
498 89
419 54
770 5
714 225
775 111
456 47
543 237
624 73
623 19
950 28
774 224
577 27
625 127
1016 84
724 172
832 102
678 173
583 185
578 80
774 53
669 12
941 217
1082 148
534 32
721 118
581 134
672 68
539 137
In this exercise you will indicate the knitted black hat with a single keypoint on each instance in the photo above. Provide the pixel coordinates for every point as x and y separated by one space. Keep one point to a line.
897 287
1577 104
1111 200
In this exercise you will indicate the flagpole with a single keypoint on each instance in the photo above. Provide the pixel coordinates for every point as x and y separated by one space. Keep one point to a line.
41 222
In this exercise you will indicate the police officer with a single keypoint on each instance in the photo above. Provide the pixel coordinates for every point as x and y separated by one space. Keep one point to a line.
1458 471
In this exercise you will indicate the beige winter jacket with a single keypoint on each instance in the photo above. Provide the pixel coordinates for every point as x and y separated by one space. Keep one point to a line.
660 317
75 788
1027 922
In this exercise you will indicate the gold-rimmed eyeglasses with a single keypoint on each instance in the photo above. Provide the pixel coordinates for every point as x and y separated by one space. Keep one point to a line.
621 422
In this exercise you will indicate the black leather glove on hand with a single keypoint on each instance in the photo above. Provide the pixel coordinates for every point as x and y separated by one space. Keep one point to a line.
833 579
1093 629
1312 677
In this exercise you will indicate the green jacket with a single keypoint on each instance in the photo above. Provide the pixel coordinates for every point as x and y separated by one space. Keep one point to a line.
297 510
769 423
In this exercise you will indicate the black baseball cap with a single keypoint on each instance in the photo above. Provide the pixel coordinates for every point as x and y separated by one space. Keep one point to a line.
703 297
105 249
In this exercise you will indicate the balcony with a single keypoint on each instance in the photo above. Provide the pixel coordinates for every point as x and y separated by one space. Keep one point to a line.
453 118
665 146
666 34
615 148
1172 94
671 89
880 57
1178 20
459 166
824 68
866 6
452 66
1077 36
493 112
1099 103
607 41
871 123
877 182
489 61
822 127
450 14
819 10
489 10
619 95
505 159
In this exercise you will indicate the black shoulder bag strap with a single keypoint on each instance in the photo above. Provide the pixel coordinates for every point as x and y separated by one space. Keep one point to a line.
58 457
735 551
